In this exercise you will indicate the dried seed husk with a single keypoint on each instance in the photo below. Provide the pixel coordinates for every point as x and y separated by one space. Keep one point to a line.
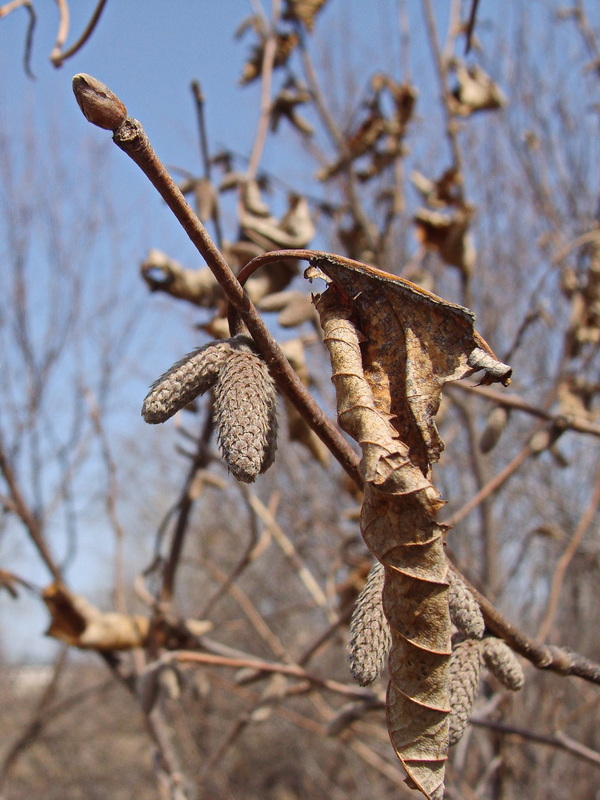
465 612
370 637
465 665
245 411
190 377
494 427
503 663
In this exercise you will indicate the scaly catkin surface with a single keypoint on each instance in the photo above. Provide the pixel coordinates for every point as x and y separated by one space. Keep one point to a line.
465 665
245 411
188 378
370 638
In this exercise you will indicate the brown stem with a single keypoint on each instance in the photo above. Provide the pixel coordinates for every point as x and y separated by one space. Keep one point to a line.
559 740
542 656
58 56
514 401
19 506
268 63
567 556
131 138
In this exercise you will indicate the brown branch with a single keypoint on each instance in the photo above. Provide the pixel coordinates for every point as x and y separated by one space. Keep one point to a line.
64 22
563 562
292 670
559 740
490 487
19 506
268 62
5 10
513 401
131 138
58 56
542 656
199 100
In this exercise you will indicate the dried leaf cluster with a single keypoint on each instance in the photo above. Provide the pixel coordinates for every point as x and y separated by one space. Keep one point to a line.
392 346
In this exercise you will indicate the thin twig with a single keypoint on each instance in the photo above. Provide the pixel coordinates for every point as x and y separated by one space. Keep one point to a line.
58 56
559 740
292 670
268 62
542 656
563 562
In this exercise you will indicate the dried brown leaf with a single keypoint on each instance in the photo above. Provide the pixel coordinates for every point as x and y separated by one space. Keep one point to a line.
303 11
392 347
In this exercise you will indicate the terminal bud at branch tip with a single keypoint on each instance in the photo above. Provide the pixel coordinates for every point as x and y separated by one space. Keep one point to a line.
98 104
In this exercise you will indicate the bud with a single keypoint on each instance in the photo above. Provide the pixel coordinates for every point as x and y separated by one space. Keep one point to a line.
99 105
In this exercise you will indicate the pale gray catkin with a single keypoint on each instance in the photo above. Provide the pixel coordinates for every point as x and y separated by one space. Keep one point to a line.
190 377
464 668
464 608
370 638
503 663
245 411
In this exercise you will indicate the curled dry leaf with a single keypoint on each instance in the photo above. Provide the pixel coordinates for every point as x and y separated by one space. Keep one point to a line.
77 622
285 44
392 347
294 230
447 233
163 274
475 91
303 11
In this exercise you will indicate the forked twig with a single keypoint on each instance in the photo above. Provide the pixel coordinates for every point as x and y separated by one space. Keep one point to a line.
104 109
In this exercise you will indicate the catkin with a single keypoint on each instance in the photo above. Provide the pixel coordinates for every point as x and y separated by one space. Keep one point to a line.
190 377
370 638
464 608
245 411
464 668
503 663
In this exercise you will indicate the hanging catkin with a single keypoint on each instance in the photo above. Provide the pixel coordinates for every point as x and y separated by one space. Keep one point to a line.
370 638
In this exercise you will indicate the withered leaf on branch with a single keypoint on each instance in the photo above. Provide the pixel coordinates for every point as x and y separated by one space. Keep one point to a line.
285 45
447 233
475 91
392 347
303 11
77 622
